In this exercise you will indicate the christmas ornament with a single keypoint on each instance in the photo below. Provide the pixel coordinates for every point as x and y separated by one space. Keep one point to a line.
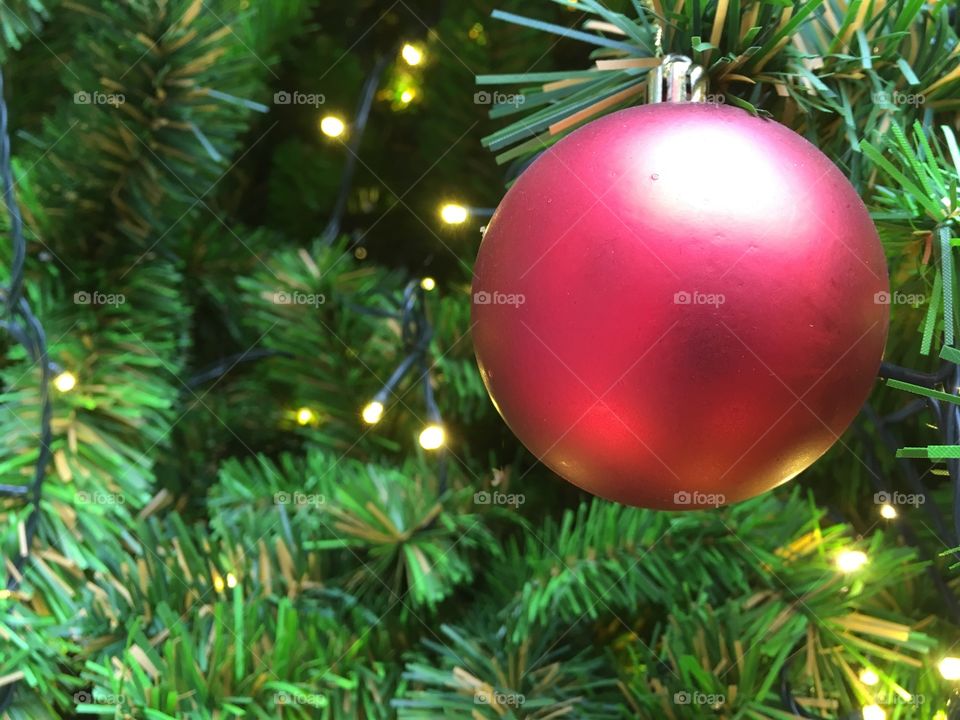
680 305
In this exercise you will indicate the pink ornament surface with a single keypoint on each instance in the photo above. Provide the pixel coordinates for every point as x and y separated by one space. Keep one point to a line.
680 305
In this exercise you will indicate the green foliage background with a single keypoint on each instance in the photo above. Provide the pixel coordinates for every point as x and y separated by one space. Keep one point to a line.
168 581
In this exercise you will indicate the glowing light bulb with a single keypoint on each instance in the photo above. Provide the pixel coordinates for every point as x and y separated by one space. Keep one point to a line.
218 583
428 283
454 214
231 580
372 412
332 126
411 54
950 668
408 95
873 712
433 437
306 416
851 560
65 381
888 511
869 677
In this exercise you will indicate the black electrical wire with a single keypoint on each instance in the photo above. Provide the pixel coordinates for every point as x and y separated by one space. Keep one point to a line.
27 330
929 380
356 136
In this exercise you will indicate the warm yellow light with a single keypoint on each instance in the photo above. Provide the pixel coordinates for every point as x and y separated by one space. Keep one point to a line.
65 381
412 54
873 712
950 668
332 126
218 583
433 437
888 511
940 715
851 560
231 580
869 677
408 95
372 412
306 416
454 214
428 283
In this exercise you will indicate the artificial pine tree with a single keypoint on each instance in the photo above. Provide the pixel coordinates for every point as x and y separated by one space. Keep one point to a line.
233 307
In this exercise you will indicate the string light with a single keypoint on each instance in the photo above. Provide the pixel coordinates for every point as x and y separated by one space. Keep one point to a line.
372 412
332 126
851 560
65 381
231 580
950 668
218 584
433 437
428 283
454 214
869 677
407 96
306 416
940 715
874 712
888 511
411 54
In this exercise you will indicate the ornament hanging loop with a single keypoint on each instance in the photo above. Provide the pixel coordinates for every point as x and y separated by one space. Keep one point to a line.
677 79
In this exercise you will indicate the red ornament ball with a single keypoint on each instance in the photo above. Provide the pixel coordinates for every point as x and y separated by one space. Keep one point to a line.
680 305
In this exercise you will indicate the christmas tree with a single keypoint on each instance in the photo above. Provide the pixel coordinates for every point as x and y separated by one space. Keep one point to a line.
249 465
